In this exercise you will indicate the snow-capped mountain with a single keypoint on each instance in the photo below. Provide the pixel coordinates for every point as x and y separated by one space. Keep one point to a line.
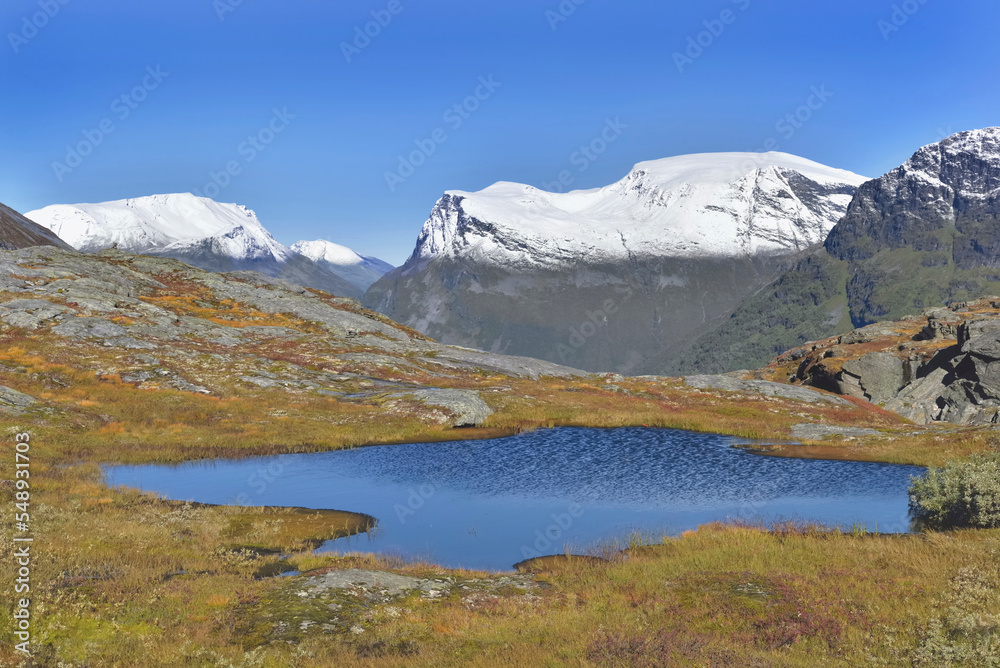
341 260
717 205
616 278
161 222
197 230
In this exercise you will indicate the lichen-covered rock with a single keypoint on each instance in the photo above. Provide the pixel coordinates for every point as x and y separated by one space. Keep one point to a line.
467 406
13 401
225 334
764 387
877 377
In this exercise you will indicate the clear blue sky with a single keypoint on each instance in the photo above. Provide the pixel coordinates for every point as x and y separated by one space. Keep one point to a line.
324 174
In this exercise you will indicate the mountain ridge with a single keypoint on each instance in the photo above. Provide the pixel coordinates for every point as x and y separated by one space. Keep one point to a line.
208 234
709 202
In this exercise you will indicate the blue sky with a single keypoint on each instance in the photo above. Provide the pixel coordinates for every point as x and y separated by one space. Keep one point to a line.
308 129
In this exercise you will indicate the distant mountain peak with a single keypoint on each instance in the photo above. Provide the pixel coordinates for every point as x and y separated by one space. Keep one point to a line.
142 224
360 270
618 278
202 232
321 249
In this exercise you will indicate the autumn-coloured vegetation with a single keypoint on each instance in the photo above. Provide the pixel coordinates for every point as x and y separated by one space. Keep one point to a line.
124 579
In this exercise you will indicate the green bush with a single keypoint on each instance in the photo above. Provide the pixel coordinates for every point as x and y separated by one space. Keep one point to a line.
960 494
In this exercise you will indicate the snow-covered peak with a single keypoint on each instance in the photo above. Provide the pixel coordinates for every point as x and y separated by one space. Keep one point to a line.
327 251
210 235
358 269
968 162
722 168
716 204
159 222
984 142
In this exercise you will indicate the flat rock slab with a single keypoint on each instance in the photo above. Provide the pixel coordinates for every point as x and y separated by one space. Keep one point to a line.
765 387
14 401
82 327
469 408
389 583
383 586
817 432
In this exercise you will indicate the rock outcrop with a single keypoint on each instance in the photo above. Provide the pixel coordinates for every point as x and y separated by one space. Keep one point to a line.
467 406
760 387
943 366
12 401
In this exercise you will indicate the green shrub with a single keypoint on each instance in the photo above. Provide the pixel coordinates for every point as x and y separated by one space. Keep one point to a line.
960 494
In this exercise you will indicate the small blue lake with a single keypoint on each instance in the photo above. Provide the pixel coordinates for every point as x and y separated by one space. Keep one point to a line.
489 504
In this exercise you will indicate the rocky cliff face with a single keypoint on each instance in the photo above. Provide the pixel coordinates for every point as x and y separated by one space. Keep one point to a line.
939 212
926 234
945 199
616 278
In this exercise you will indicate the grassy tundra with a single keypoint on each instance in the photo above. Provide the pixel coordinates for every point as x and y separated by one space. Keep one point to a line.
123 579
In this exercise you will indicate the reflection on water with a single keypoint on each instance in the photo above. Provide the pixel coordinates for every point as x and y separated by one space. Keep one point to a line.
489 504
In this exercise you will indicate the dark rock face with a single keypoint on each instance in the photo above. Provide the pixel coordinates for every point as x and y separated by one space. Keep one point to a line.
942 206
16 231
952 184
876 377
957 388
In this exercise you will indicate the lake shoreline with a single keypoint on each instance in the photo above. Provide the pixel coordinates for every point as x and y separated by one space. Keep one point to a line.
654 482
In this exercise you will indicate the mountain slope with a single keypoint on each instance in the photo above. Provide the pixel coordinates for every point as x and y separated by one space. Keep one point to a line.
925 234
204 233
16 231
615 278
360 270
